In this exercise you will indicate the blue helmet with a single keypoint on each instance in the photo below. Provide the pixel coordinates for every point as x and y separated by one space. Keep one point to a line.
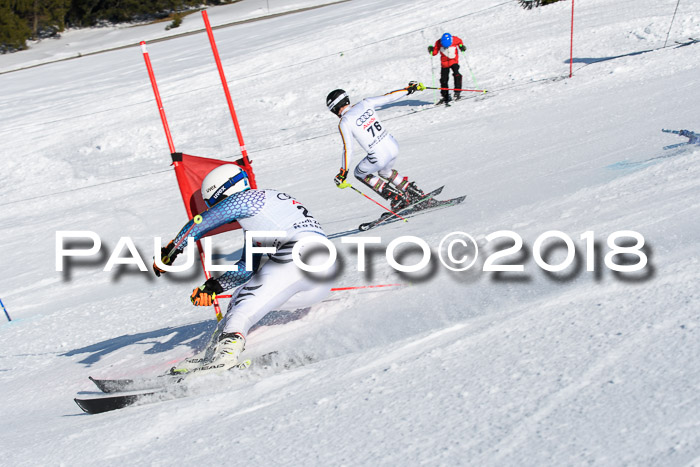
446 39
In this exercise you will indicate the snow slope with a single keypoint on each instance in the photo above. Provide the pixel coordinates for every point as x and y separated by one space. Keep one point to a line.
467 368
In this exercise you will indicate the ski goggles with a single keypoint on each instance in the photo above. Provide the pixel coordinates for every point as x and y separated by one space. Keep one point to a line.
336 101
219 194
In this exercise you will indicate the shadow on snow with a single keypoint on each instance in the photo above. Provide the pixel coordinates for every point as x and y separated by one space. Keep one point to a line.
195 336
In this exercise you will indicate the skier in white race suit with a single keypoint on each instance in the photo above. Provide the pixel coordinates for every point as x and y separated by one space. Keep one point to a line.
361 122
277 282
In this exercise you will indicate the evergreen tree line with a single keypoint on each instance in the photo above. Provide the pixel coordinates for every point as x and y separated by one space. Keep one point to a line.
21 20
529 4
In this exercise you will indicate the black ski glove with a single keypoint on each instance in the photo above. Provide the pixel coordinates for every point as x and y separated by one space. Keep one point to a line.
414 86
340 179
167 256
430 49
462 47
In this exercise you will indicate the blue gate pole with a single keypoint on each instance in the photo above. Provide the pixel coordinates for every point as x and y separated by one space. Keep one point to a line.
3 309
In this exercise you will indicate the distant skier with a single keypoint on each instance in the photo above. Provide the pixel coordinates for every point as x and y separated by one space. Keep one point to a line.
362 123
447 46
693 138
227 193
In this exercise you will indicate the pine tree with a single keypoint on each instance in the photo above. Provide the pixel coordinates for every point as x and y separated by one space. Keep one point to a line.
21 20
14 31
529 4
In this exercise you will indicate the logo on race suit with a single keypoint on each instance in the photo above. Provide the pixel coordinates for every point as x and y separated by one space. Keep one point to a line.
364 117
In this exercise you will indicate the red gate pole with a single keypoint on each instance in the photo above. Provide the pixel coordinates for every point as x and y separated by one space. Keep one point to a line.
146 57
215 51
571 50
179 169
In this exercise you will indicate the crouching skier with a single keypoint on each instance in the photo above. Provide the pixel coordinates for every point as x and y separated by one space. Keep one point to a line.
278 281
361 122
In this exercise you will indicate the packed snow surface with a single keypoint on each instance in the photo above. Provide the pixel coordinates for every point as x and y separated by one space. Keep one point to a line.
478 368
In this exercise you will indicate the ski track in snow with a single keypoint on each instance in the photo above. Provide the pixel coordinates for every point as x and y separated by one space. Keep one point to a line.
465 368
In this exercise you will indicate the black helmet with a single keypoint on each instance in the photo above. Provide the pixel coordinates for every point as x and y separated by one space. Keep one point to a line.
336 100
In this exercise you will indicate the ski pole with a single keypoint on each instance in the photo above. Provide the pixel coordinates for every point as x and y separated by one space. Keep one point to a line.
476 85
339 289
5 310
175 247
378 204
453 89
342 289
432 68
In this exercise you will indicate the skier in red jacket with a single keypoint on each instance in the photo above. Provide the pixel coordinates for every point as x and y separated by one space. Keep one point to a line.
447 46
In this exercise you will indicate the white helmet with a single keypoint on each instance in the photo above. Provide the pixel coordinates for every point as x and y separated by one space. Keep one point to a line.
222 182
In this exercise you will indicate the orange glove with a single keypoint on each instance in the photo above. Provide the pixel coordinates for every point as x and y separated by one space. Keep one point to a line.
201 298
205 294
